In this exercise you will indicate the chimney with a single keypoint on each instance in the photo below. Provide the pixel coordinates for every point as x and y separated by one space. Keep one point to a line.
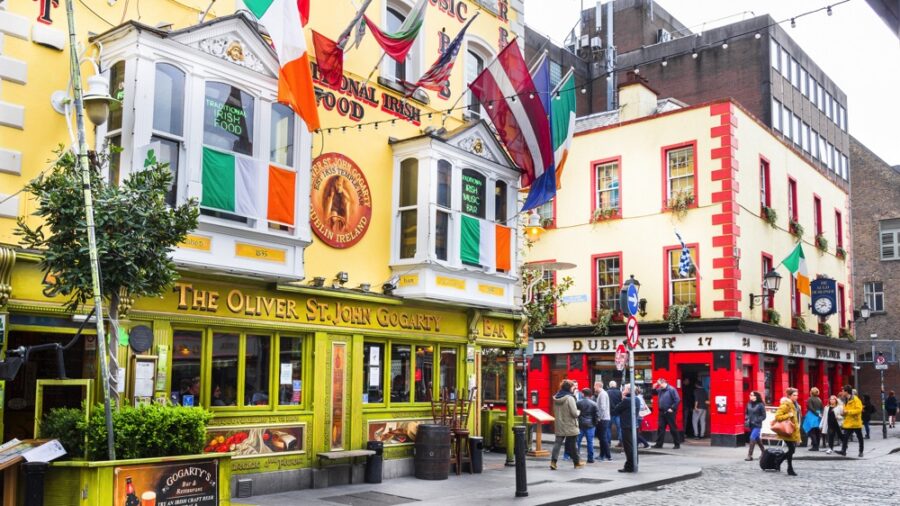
636 98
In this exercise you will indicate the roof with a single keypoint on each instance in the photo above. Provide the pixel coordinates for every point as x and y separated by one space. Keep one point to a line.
607 118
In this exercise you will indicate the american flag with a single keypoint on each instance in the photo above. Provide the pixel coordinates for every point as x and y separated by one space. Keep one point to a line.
685 264
433 79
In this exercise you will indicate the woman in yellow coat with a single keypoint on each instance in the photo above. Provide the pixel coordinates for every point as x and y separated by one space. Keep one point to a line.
788 411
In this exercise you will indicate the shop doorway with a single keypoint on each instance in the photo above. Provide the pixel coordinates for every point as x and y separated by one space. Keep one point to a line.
80 362
338 406
694 380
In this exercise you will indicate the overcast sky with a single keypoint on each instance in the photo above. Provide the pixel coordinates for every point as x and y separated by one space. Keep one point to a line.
853 46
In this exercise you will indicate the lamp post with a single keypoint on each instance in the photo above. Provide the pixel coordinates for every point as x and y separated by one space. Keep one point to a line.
82 161
634 449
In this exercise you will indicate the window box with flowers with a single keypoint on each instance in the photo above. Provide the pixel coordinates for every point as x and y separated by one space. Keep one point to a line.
603 214
772 317
796 229
845 333
680 202
840 252
770 215
602 320
824 329
798 323
821 243
677 314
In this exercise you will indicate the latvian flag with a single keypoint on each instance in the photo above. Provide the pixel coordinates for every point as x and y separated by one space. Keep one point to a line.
520 120
434 78
284 20
231 184
484 243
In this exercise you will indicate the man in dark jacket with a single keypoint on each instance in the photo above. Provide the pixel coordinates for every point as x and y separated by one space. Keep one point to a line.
667 403
623 412
588 418
615 397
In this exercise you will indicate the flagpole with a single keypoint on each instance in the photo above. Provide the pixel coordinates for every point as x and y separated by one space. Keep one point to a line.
369 77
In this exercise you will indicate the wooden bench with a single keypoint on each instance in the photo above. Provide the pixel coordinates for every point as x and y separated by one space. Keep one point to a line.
344 454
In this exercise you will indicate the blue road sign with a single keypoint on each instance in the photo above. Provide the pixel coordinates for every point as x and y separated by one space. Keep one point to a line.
631 298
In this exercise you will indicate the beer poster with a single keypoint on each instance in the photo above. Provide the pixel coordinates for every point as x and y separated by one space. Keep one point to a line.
188 483
340 200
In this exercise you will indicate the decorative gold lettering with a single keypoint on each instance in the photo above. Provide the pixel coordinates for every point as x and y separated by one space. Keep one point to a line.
292 309
213 304
182 289
280 308
235 306
577 345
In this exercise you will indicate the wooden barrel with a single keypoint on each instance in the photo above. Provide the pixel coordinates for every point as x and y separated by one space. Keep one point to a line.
432 458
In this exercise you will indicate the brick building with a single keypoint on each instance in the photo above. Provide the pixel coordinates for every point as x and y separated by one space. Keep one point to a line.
876 265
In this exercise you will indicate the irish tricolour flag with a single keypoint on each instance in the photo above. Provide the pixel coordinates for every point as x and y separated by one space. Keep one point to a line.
796 263
230 183
484 243
284 20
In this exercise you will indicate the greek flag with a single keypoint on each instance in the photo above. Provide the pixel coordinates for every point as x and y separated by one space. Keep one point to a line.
685 263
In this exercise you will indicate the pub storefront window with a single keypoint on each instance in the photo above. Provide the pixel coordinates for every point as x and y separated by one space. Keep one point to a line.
373 372
186 357
400 372
447 373
290 361
424 373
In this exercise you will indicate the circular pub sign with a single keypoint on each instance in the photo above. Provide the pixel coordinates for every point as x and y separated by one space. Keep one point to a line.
340 200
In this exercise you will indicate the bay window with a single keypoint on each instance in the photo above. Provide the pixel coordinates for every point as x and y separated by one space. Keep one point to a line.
443 213
409 192
168 120
114 122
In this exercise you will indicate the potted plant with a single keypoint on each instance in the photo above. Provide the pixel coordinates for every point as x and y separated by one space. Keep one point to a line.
677 314
798 323
680 202
845 333
603 213
825 329
796 229
547 222
821 243
772 316
840 252
770 215
602 320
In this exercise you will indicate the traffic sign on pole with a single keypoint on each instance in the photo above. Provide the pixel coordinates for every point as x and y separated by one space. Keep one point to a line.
632 332
621 357
631 299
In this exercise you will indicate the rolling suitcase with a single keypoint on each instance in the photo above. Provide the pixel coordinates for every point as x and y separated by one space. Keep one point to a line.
770 460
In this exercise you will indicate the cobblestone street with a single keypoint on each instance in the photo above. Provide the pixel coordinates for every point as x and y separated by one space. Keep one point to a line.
820 482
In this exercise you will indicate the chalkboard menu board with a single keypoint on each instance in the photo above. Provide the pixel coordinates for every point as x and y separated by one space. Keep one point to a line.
228 118
473 192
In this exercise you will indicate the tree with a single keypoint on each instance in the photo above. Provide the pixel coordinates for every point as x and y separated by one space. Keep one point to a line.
136 231
541 298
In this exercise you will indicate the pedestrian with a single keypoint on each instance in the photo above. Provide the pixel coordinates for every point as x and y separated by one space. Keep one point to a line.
788 411
587 423
687 407
566 425
643 410
623 411
753 420
868 411
813 419
667 400
852 420
701 405
615 397
831 422
890 408
603 416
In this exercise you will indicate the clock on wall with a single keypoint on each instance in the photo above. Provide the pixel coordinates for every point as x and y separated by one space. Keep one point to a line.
822 306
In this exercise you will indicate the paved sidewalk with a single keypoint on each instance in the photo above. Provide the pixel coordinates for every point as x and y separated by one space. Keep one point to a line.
497 484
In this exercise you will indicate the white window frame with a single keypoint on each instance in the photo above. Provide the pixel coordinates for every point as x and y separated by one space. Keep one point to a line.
873 293
670 179
786 121
795 129
415 55
795 73
805 137
776 114
673 279
804 82
614 164
274 226
774 54
477 47
408 207
889 238
785 64
617 285
179 182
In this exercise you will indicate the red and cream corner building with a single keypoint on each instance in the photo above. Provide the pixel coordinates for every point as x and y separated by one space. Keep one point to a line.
614 217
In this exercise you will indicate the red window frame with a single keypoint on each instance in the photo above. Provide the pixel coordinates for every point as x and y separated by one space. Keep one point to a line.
817 213
842 321
593 176
594 258
795 298
665 172
667 279
765 183
792 198
838 229
767 264
552 318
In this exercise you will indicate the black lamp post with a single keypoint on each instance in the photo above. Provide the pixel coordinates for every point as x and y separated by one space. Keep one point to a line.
771 284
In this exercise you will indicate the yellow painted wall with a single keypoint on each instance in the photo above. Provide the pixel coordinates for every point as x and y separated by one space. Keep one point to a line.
644 231
758 237
367 261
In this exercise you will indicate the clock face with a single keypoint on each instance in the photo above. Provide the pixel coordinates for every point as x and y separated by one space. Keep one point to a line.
823 305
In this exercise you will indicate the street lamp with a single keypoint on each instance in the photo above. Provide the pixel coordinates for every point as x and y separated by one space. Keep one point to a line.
863 312
770 285
533 228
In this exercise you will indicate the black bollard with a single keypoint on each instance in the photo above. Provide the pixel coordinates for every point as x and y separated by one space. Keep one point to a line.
521 478
34 482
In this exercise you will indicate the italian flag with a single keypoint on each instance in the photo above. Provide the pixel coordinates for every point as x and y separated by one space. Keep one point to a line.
284 20
231 184
397 44
796 263
484 243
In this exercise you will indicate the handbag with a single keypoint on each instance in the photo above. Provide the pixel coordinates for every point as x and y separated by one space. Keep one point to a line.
784 428
811 421
644 412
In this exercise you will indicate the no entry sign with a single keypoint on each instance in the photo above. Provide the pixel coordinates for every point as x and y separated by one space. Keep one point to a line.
632 332
621 357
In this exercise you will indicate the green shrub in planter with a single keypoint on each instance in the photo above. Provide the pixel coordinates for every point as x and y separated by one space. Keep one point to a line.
148 431
67 426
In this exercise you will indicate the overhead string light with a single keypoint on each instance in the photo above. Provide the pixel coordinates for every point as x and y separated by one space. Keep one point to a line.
609 76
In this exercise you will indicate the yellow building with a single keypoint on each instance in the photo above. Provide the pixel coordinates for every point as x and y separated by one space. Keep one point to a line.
359 294
709 172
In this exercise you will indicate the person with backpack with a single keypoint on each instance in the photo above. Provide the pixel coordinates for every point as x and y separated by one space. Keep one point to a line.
588 418
813 419
753 420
